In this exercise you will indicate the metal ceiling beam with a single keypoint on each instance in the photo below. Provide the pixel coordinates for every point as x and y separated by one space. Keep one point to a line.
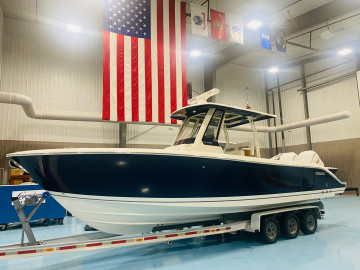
322 14
302 46
316 16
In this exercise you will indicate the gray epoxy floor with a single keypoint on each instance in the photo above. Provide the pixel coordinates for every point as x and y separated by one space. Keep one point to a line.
336 245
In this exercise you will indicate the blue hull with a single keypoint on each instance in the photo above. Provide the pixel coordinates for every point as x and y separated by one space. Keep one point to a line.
169 176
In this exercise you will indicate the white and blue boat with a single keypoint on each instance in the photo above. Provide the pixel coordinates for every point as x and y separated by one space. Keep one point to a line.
201 177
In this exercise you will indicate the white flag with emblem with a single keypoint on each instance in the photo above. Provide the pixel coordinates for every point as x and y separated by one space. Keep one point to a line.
236 29
199 20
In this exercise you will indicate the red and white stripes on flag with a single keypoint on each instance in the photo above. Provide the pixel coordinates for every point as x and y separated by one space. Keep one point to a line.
144 79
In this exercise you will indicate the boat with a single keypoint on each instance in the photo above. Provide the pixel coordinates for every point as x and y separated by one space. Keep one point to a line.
201 177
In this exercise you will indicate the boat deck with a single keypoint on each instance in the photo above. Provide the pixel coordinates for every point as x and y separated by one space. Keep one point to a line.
334 246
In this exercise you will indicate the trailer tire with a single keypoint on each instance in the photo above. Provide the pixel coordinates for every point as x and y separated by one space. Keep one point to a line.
3 227
290 226
269 230
61 221
308 222
46 222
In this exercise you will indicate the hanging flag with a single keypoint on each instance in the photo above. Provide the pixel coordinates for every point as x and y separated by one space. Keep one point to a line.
199 20
218 25
265 38
144 64
236 29
280 42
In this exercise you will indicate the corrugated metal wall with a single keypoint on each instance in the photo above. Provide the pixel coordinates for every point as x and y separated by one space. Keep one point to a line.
3 172
335 97
59 70
232 81
292 104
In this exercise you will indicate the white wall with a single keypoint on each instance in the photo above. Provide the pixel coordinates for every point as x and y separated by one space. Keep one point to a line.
59 70
335 97
292 105
232 81
1 36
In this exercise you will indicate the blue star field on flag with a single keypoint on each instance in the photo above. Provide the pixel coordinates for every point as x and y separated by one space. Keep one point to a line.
128 17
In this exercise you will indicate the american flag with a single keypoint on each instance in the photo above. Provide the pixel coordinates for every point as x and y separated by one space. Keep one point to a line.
144 65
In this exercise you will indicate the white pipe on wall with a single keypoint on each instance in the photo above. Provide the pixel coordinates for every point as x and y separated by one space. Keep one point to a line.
358 83
304 123
26 103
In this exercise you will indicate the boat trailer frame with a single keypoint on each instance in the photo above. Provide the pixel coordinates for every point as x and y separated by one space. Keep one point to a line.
102 240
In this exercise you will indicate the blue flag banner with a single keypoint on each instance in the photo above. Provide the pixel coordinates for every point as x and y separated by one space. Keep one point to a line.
265 38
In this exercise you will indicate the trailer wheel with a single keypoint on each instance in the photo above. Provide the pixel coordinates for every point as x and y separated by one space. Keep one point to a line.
308 222
290 226
60 221
270 230
3 227
46 222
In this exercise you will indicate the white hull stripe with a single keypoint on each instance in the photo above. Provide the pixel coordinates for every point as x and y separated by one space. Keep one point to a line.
199 200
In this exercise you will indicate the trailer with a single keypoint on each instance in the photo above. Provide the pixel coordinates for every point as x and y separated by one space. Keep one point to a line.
28 195
268 224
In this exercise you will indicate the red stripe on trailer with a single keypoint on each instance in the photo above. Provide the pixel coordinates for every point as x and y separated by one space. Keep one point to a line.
206 231
67 247
94 245
2 254
27 251
150 238
190 233
171 235
228 228
118 242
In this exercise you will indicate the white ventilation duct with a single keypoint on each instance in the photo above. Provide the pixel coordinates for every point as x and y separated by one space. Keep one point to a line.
26 103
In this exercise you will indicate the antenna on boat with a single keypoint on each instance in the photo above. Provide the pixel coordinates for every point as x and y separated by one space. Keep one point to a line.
200 99
247 96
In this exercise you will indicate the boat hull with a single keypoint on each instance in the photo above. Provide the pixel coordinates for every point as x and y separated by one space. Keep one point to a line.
129 191
136 215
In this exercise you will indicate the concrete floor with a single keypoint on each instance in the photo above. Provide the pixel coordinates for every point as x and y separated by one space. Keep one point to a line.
335 245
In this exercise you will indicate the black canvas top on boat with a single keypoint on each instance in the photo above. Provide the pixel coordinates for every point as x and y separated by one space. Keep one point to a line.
234 116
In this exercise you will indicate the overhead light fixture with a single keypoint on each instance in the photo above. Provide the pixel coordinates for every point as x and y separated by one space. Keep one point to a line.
273 70
344 51
327 35
195 53
73 28
254 24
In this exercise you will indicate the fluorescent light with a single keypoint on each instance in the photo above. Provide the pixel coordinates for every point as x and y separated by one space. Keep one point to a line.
254 24
195 53
73 28
345 51
273 70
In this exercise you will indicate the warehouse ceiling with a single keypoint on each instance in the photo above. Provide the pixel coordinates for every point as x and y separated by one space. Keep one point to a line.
297 16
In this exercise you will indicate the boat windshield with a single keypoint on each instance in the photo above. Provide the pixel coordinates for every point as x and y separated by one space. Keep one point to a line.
212 131
190 129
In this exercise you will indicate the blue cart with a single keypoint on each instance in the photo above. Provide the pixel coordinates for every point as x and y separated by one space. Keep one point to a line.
49 210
